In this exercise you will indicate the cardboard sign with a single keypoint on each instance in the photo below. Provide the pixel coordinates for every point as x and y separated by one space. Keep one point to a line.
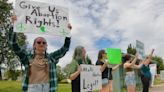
153 70
41 18
140 49
162 75
90 78
114 55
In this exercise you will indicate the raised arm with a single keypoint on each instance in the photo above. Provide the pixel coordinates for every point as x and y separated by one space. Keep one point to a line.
148 60
62 51
132 63
14 45
138 66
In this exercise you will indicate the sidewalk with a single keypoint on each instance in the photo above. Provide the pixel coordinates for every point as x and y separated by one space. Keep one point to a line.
157 88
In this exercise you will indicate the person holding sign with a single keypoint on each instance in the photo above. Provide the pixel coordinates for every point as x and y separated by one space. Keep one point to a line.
79 57
106 72
130 75
40 67
145 72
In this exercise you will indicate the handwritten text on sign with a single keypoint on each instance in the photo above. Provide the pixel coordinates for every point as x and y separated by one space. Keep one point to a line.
90 78
37 17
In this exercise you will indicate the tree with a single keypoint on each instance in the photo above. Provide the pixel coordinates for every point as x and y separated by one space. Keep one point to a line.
5 9
6 54
67 70
131 50
60 73
12 74
159 61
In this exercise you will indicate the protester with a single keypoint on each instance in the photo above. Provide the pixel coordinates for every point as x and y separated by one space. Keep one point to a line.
130 75
40 67
145 72
106 72
79 57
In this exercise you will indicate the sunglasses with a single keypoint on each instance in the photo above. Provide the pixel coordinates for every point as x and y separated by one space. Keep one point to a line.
39 42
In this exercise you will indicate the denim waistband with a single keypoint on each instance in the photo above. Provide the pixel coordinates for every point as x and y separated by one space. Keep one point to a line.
37 85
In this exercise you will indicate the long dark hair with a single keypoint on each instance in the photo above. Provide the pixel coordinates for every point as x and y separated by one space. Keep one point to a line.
78 53
127 57
100 54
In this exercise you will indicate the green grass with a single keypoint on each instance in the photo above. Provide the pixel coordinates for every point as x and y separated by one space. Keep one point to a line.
157 81
64 88
10 86
15 86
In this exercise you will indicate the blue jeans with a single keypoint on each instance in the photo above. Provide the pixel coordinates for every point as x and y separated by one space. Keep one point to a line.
38 87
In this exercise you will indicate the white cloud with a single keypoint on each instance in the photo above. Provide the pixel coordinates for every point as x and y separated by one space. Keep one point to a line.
122 21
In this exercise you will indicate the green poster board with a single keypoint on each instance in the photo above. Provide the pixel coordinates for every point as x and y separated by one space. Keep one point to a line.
114 55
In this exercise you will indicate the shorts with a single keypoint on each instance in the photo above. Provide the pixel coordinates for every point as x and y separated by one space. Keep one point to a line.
130 79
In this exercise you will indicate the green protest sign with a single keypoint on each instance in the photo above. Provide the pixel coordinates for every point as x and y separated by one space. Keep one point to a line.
114 55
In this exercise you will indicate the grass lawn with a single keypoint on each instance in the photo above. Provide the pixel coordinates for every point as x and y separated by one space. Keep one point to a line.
64 88
15 86
157 81
10 86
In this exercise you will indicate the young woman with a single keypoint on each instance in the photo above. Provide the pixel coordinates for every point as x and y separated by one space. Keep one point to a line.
130 76
79 57
145 72
40 67
106 72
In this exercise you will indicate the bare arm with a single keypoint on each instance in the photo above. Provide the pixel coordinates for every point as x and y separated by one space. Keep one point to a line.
138 66
145 62
132 63
148 60
75 74
115 67
103 66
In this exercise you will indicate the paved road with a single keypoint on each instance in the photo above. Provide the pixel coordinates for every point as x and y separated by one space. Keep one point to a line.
157 88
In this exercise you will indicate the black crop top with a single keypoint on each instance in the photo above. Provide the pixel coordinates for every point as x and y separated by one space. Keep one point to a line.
107 73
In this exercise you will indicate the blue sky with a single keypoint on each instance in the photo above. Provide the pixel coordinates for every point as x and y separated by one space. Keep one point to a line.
103 43
100 24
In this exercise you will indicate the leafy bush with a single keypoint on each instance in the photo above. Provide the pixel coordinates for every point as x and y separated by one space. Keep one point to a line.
12 74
